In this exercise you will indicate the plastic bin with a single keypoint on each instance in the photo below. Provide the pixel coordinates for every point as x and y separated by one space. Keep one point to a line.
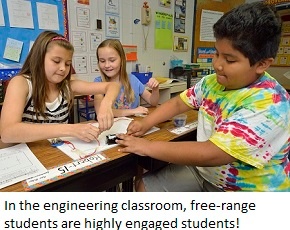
175 63
143 77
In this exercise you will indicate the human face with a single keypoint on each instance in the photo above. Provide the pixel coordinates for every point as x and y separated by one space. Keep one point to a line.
57 63
232 68
110 62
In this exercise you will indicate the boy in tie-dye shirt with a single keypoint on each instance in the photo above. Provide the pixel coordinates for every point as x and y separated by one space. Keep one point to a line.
243 133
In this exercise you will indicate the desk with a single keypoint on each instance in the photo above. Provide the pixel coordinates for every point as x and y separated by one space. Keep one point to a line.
166 91
287 87
164 135
121 167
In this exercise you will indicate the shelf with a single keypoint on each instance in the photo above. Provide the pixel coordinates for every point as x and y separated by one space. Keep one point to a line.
167 91
85 109
187 73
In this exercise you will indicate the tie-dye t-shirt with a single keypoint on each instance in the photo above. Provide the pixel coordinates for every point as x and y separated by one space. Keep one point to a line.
121 101
251 124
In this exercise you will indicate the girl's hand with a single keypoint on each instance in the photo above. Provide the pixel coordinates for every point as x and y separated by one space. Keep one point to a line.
86 132
141 110
105 117
152 83
132 144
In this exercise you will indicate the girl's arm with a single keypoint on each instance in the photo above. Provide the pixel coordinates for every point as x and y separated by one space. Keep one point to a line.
13 130
152 97
109 89
119 112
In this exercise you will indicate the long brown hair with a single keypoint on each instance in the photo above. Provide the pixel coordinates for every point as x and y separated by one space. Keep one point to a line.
33 68
116 44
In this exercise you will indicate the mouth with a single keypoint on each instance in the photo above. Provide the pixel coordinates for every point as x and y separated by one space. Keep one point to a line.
222 79
60 75
221 76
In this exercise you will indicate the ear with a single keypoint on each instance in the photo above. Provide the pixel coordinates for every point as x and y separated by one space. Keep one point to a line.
263 65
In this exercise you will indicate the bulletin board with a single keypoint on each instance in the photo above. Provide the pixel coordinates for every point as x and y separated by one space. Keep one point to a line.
283 56
42 15
218 6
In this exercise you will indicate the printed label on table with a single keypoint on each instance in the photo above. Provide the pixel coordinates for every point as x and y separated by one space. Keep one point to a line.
63 171
184 129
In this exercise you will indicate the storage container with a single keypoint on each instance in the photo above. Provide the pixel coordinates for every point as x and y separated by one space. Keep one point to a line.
143 77
175 63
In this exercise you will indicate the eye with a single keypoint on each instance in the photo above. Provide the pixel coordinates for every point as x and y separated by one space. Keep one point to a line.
230 61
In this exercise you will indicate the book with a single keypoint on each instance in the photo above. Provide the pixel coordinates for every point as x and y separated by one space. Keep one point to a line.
167 80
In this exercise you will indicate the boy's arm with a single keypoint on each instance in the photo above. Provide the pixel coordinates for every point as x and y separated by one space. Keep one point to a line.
162 113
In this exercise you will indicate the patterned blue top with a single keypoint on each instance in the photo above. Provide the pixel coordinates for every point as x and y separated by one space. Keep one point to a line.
121 101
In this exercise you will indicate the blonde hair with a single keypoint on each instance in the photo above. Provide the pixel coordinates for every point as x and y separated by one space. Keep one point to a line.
34 69
124 79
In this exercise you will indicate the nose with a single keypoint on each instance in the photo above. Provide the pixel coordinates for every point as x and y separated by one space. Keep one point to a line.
217 63
107 64
62 67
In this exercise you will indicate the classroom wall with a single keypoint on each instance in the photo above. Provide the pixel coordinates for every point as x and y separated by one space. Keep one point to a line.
132 34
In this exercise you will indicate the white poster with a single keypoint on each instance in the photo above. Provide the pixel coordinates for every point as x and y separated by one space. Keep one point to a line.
47 15
83 17
112 26
81 64
208 19
94 64
95 40
112 6
20 14
2 22
79 40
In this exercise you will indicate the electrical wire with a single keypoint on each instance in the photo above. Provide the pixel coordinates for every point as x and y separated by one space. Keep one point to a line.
145 36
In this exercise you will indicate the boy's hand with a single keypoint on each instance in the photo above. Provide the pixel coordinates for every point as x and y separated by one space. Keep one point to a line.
132 144
136 128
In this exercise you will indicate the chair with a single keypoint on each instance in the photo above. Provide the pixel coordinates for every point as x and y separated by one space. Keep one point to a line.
179 72
85 108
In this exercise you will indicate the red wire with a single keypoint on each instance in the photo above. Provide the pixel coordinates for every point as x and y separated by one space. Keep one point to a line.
71 145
